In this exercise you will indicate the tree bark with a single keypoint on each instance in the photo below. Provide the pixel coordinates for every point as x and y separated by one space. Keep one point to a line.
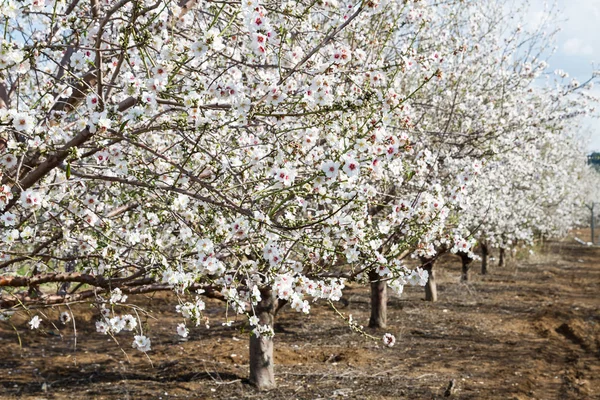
4 97
501 259
484 258
4 103
378 301
262 374
430 286
466 265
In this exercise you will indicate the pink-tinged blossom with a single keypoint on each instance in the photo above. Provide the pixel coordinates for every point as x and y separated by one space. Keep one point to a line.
418 277
272 253
31 199
5 195
117 296
182 330
23 122
116 324
78 61
383 270
142 343
102 156
93 101
239 228
284 176
330 168
8 219
351 167
129 322
8 161
389 340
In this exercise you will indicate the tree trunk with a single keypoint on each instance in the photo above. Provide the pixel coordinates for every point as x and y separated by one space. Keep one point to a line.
501 259
430 286
466 265
378 301
261 348
484 259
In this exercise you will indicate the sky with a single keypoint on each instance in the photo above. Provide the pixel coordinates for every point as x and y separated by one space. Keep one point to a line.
577 49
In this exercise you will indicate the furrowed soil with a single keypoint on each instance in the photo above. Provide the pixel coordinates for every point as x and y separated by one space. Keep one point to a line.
529 330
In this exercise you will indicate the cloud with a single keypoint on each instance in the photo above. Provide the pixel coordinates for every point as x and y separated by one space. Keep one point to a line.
578 43
576 47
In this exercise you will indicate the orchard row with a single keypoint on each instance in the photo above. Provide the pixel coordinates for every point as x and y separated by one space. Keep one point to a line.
268 153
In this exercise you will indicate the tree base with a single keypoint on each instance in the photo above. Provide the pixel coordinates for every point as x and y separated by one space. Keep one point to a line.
262 374
378 302
430 286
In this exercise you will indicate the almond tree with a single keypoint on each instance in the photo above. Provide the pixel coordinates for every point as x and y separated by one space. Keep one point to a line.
213 149
490 112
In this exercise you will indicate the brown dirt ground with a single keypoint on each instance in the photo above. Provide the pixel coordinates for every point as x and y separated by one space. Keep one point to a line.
530 330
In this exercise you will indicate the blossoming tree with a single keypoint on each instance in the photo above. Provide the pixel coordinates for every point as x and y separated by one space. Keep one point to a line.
489 112
236 151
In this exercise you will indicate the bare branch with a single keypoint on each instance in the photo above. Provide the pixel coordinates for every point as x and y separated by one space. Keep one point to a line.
45 300
55 159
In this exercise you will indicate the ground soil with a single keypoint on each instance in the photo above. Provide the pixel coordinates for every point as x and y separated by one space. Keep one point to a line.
530 330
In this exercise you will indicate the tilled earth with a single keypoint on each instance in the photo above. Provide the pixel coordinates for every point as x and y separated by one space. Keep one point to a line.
529 330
